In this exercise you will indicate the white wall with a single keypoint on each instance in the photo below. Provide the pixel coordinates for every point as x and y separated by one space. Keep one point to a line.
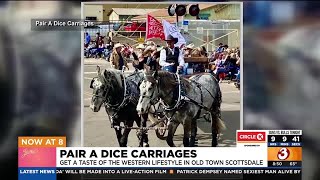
93 11
114 16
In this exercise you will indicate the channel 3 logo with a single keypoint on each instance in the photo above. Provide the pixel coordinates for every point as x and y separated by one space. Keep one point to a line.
283 154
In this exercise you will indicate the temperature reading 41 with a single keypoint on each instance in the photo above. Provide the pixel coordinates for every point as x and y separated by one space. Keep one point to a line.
296 139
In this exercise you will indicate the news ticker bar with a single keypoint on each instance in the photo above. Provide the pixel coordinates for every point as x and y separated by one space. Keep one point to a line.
160 173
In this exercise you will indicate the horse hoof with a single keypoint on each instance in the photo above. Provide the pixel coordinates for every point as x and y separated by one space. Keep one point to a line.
146 145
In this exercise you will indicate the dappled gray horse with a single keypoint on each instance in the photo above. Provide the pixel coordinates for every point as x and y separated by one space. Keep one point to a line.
120 95
185 101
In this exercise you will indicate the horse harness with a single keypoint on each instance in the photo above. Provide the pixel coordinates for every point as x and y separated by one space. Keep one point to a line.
183 98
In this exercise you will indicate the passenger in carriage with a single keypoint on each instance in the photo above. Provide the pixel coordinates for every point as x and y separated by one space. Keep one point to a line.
171 57
153 59
200 52
188 49
138 57
147 58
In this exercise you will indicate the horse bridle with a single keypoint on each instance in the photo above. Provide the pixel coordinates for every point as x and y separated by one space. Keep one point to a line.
106 91
154 100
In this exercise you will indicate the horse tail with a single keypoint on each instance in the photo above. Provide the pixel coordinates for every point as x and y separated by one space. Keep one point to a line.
219 123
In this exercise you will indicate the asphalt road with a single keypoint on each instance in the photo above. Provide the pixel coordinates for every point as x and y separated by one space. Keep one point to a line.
97 130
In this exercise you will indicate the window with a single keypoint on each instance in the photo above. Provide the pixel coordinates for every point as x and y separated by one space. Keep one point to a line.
124 17
91 18
204 16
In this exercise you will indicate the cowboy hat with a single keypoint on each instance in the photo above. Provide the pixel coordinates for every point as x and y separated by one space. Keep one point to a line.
141 46
150 48
171 38
150 43
190 46
117 45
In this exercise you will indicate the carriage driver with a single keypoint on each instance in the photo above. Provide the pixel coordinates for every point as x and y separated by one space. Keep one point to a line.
171 57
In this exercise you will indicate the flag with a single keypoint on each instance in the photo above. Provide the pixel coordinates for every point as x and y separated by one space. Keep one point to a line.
173 30
154 28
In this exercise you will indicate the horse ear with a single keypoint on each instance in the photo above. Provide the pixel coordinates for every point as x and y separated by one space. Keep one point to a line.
91 84
98 70
100 76
155 74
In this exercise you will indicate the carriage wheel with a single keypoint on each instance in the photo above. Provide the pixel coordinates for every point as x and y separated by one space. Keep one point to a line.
161 132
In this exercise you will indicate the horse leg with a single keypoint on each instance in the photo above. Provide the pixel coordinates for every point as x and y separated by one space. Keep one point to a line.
172 127
124 138
214 133
144 134
216 126
186 134
118 133
194 129
139 132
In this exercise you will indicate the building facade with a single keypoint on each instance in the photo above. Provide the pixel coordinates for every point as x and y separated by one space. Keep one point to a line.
101 12
218 12
226 26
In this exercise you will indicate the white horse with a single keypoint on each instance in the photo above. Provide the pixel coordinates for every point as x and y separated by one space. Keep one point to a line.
185 101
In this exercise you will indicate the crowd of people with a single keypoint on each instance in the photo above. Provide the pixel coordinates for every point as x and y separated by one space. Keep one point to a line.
224 62
98 48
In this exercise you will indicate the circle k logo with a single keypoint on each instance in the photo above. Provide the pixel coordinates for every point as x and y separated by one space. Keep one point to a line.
248 136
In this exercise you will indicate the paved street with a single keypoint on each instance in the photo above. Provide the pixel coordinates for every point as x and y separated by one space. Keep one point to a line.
97 130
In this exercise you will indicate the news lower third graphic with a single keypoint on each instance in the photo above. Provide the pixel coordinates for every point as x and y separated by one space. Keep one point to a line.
37 157
258 153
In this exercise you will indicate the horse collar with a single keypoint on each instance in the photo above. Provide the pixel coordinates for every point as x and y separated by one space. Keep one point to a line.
178 101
